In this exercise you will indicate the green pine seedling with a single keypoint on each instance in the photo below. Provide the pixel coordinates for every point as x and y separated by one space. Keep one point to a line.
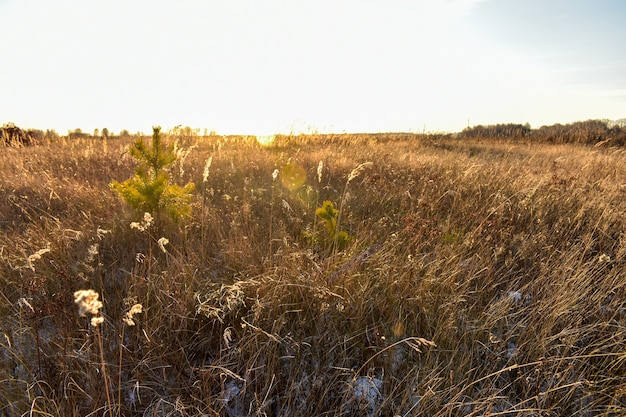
335 239
149 190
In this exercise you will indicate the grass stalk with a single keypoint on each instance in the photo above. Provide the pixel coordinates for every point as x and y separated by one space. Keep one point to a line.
104 371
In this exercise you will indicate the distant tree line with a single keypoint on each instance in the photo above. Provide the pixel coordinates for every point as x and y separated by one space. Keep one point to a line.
509 130
589 132
11 135
39 135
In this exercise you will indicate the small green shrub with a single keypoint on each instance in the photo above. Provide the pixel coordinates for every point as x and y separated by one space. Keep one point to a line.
149 190
335 239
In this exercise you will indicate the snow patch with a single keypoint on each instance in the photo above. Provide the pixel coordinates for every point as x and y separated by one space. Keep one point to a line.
231 399
517 297
511 349
366 394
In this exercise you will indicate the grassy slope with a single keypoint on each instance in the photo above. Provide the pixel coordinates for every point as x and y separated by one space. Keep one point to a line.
510 258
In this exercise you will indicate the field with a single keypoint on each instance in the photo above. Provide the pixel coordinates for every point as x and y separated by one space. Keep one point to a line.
476 278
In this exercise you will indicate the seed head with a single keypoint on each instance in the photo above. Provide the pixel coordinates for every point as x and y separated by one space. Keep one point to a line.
147 221
88 302
96 321
102 232
357 171
320 168
162 242
205 175
35 257
128 317
92 252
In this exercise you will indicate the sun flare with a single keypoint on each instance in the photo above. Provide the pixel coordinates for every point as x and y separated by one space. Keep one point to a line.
265 140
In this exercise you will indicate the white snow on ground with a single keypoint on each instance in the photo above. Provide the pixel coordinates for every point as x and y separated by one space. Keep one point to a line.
515 296
366 393
511 348
231 390
518 297
233 403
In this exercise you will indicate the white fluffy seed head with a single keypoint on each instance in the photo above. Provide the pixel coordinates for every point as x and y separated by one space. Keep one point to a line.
88 302
162 242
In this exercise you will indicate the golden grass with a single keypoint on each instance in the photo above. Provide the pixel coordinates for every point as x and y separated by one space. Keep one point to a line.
483 278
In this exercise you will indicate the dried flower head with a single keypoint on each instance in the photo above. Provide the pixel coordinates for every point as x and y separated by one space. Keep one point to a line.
102 232
92 252
162 242
320 169
128 317
182 154
275 174
96 321
207 166
88 302
357 171
147 221
35 257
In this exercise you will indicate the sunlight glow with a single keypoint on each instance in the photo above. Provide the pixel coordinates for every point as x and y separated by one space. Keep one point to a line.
265 140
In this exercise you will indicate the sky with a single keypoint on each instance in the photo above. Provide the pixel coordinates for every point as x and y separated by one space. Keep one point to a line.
280 66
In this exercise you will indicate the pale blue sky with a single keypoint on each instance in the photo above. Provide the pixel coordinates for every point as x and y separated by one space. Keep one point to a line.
268 66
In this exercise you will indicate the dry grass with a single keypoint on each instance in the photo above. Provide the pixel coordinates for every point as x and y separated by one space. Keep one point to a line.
483 278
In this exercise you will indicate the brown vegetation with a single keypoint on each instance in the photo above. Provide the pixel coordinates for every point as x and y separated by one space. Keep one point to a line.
481 278
11 135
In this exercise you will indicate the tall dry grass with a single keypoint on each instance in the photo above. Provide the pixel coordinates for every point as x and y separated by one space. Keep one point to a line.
483 278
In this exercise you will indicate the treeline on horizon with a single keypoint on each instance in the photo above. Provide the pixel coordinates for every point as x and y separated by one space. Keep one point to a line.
590 132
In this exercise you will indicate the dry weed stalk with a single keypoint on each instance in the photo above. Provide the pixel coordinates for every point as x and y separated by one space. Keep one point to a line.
88 302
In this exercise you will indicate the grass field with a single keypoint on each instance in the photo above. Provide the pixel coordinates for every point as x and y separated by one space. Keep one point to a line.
480 278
